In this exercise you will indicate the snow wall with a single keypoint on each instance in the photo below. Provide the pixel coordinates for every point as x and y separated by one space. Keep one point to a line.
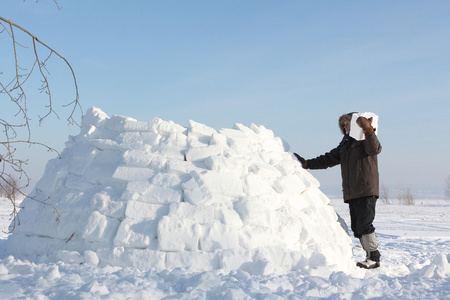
157 195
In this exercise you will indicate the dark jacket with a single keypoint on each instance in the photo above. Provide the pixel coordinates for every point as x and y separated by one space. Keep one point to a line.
359 165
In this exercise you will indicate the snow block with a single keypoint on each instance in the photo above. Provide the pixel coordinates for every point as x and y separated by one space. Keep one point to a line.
108 204
255 185
121 124
169 180
219 236
137 158
194 154
94 117
201 214
141 210
136 233
438 269
160 195
199 135
200 130
356 132
223 184
290 185
180 166
229 217
251 211
100 228
223 164
178 234
132 173
202 186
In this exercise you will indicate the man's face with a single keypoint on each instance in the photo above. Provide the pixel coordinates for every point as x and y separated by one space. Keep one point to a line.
347 126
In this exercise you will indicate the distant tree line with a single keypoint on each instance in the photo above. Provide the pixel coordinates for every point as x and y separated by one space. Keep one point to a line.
405 196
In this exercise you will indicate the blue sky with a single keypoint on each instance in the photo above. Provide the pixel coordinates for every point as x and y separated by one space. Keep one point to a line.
292 66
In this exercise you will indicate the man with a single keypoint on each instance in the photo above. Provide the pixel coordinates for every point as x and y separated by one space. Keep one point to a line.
360 182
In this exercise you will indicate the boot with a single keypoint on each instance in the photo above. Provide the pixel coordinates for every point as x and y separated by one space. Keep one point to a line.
372 261
370 245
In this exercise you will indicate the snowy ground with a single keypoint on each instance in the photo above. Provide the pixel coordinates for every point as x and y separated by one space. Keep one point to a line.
414 243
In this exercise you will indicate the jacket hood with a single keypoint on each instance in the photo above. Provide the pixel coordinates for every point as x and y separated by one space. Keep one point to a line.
342 119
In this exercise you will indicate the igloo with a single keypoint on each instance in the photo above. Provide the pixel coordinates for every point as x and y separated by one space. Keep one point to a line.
157 195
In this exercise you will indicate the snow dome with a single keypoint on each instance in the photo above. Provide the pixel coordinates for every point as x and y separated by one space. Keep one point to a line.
157 195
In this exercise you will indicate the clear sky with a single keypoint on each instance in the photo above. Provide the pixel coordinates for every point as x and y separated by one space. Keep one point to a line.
292 66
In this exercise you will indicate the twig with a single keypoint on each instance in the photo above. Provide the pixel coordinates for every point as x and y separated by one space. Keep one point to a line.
14 89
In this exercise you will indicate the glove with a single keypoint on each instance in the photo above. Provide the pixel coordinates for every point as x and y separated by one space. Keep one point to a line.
302 161
365 124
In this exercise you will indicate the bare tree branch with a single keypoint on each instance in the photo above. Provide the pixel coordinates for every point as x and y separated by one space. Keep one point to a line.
57 5
15 89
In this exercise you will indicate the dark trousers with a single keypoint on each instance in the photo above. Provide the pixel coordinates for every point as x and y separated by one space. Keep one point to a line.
362 214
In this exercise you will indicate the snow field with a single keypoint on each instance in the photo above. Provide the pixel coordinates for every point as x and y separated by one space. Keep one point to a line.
410 268
158 196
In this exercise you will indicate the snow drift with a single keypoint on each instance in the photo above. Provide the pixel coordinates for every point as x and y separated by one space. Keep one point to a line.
157 195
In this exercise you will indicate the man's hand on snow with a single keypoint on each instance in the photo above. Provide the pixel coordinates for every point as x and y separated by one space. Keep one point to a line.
302 161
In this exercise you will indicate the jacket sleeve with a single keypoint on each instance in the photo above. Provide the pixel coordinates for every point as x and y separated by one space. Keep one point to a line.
371 144
327 160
